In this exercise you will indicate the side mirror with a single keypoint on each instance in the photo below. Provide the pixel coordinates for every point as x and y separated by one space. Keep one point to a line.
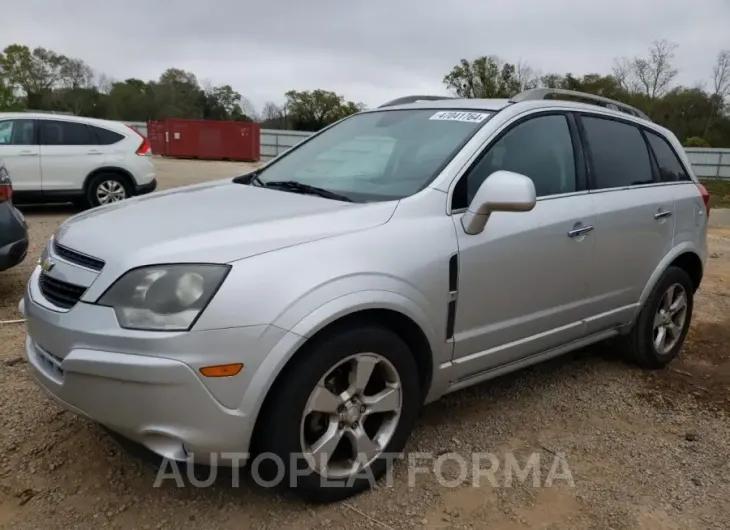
502 191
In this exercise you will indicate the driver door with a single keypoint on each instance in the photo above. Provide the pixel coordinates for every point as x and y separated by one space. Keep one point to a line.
523 281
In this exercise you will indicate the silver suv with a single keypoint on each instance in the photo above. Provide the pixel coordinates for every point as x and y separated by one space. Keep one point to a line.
307 311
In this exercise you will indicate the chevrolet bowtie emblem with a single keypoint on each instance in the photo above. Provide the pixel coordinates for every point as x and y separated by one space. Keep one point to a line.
48 264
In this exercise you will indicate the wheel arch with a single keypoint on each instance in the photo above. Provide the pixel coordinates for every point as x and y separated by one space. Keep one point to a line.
394 319
686 257
113 170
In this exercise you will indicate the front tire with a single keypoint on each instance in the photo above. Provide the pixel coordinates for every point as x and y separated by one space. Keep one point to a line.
347 404
659 332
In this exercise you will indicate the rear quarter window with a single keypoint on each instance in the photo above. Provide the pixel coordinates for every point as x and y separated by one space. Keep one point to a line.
105 136
670 167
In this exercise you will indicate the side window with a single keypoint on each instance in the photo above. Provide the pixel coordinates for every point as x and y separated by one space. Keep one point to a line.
105 136
540 148
619 153
17 132
670 168
55 132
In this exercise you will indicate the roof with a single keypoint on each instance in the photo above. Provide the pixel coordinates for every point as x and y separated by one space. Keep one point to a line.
52 116
451 103
535 97
107 124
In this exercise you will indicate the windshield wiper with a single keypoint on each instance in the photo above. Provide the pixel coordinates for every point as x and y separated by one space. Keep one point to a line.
298 187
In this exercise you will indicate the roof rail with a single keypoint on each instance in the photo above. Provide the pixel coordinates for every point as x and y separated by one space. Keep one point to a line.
543 93
412 99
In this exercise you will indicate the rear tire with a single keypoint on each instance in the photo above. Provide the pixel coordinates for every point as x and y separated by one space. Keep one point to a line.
107 188
659 332
294 436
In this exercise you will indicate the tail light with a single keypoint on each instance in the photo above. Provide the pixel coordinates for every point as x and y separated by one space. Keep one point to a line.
6 188
145 149
705 197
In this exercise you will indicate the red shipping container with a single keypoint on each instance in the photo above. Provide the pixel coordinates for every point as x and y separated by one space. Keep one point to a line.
212 140
157 135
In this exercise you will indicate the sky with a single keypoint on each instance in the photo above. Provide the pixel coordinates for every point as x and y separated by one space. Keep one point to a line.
368 51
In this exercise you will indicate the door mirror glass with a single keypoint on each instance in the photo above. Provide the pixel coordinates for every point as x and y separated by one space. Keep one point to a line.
502 191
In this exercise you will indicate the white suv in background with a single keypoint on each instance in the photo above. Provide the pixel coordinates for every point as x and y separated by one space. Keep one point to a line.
60 158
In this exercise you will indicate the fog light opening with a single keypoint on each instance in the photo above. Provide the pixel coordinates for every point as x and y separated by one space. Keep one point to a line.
165 445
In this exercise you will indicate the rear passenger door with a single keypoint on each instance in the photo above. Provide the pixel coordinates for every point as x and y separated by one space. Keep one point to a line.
634 217
69 152
689 210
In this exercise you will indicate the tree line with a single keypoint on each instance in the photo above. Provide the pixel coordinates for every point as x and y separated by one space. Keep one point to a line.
41 79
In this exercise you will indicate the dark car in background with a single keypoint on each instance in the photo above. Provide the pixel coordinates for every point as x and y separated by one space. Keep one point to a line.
13 229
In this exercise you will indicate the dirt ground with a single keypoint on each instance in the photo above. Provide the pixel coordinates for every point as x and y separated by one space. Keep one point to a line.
644 450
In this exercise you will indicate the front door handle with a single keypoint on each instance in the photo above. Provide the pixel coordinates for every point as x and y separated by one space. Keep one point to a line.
28 153
662 214
580 231
94 152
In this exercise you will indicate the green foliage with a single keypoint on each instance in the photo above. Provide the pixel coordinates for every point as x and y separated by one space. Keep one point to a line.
696 141
719 190
315 109
644 83
42 79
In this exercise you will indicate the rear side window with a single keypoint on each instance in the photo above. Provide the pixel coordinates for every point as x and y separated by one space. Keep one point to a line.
670 168
619 153
105 136
66 133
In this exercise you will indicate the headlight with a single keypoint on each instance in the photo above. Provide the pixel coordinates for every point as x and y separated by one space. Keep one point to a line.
164 297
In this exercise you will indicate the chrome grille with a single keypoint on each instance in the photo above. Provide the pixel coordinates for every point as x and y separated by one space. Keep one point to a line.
77 258
60 293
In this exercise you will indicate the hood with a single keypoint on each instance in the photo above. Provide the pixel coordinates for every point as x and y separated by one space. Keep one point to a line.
216 222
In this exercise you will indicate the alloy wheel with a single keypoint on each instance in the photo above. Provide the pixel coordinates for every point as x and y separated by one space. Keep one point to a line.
670 318
351 415
110 191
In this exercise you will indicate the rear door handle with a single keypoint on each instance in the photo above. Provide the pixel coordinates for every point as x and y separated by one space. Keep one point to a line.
661 214
94 152
580 231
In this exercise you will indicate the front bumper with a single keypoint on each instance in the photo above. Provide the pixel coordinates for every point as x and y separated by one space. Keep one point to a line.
146 386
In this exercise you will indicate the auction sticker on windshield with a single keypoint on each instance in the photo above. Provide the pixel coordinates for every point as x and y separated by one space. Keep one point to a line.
452 115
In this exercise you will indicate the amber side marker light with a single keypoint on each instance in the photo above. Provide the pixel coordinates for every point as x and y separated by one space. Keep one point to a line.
222 370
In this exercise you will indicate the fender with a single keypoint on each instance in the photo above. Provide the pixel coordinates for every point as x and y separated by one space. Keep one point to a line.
316 320
360 301
680 249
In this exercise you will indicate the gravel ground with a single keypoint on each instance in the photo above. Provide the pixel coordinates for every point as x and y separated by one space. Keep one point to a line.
644 450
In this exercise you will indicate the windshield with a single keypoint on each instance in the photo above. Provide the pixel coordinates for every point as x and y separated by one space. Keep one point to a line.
379 156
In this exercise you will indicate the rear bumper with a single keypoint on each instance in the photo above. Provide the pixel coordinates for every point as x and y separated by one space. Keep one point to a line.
13 237
143 189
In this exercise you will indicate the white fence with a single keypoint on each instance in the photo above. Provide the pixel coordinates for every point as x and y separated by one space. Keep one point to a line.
710 163
274 142
706 162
